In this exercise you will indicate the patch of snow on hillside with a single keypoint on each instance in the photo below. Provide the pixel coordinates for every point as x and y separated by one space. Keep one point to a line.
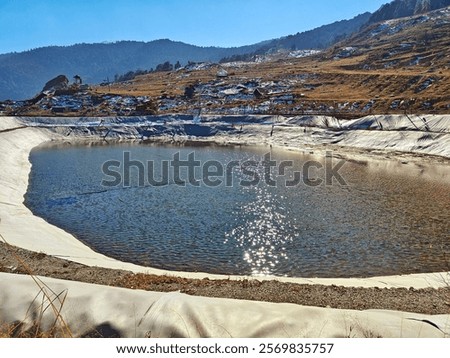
303 53
424 85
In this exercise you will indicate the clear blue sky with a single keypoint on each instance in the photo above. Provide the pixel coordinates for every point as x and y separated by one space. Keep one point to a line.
26 24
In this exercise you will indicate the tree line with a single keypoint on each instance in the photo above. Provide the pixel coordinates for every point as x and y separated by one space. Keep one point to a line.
162 67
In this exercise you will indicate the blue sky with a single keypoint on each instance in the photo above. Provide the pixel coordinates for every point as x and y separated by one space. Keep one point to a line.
26 24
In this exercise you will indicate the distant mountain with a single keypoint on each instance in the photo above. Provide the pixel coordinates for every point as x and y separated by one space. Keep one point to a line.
22 75
402 8
321 37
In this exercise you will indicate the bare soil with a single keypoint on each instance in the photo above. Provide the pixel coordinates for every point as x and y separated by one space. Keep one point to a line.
426 301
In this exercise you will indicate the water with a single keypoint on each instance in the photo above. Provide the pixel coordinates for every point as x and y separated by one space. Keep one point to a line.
390 218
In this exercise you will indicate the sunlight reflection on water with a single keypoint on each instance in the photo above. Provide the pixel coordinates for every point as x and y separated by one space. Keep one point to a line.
391 218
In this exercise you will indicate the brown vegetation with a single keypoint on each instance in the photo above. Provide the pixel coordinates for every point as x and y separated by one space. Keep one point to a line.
405 69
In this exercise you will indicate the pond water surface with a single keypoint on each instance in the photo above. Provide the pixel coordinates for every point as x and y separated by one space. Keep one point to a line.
388 218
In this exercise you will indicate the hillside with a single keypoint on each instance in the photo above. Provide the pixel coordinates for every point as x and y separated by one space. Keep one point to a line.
390 67
22 75
403 8
395 66
416 41
321 37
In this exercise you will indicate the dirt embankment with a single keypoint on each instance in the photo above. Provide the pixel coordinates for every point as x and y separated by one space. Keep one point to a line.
426 301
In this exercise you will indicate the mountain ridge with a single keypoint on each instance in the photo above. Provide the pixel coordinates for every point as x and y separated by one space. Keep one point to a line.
23 74
403 8
395 66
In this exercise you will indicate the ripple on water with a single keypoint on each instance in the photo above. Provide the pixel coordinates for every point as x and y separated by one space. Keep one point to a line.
385 221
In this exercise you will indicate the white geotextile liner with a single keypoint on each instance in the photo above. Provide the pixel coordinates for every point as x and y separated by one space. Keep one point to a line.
137 313
134 313
21 228
7 123
431 123
395 122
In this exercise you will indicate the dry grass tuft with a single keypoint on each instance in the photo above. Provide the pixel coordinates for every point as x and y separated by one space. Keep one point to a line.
33 325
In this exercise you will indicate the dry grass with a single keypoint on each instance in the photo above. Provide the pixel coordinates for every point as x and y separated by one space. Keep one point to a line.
384 68
381 70
33 325
332 84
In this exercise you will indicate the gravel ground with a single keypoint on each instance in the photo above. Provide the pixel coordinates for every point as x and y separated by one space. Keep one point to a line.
427 301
